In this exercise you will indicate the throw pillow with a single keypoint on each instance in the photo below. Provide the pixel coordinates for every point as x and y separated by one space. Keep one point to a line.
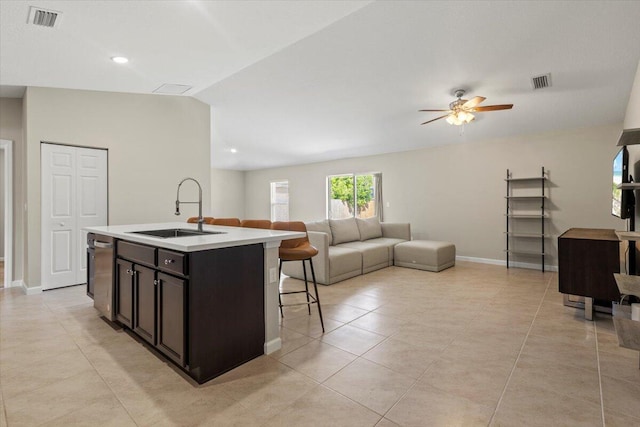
369 228
344 230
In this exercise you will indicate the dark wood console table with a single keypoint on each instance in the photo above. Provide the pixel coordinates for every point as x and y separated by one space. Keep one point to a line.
587 259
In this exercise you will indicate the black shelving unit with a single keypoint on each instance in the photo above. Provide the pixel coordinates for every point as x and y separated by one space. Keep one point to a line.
512 215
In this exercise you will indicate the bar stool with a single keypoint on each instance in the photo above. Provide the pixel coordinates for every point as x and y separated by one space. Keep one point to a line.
256 223
298 250
232 222
194 220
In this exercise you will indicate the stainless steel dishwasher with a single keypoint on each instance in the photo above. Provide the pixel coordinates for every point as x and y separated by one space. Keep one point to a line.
100 268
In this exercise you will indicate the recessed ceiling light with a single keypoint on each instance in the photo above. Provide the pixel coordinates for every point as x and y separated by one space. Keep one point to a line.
119 59
233 150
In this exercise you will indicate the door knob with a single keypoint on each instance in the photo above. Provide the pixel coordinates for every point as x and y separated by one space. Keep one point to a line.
62 224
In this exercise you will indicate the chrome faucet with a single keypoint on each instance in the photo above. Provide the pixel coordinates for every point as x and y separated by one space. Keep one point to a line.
199 202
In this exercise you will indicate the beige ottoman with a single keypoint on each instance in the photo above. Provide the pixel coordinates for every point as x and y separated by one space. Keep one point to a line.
425 255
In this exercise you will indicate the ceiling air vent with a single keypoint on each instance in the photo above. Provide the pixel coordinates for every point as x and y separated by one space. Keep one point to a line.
172 89
540 82
44 17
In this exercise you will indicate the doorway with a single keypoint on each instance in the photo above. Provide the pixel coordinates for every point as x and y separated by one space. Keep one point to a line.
6 207
73 196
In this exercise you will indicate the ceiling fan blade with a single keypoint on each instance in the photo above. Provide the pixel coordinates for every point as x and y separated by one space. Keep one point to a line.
433 120
435 110
494 107
473 102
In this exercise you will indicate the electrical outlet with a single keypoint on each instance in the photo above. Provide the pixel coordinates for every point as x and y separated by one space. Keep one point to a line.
273 275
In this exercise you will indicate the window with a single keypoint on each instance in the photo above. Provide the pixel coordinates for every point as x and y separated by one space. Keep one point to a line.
280 201
354 196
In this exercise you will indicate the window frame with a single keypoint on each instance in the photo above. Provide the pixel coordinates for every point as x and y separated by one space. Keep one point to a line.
273 203
354 177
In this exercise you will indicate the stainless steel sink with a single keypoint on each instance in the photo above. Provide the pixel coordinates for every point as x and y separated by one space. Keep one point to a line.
175 232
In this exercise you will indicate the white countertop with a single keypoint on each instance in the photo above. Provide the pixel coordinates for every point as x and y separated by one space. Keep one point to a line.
234 236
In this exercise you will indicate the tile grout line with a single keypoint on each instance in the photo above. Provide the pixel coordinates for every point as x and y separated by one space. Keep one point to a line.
504 390
115 395
595 329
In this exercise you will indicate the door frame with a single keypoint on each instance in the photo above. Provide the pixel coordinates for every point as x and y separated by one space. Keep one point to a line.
7 147
106 150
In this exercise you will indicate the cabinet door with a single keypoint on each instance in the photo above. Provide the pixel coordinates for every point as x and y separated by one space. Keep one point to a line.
124 293
171 317
144 321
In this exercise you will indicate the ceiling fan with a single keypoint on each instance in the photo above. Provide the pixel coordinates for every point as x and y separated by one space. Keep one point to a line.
460 111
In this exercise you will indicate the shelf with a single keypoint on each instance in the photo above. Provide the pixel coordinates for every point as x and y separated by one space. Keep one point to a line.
628 235
537 178
525 197
629 186
518 252
521 205
628 285
512 234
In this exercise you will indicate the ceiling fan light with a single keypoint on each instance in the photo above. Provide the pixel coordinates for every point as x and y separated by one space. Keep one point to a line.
452 119
469 118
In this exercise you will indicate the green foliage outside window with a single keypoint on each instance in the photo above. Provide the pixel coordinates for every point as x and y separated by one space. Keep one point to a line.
342 189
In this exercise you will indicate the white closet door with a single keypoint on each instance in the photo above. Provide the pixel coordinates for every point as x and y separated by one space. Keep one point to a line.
74 195
91 199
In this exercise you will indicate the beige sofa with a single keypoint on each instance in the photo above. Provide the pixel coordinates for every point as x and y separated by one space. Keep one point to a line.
350 247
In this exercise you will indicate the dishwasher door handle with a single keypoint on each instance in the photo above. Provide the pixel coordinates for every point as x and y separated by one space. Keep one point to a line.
103 245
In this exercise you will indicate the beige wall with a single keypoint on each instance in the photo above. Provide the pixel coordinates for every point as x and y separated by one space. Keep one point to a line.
456 192
154 141
11 128
227 193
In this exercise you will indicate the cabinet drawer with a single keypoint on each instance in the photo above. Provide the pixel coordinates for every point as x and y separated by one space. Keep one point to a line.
172 262
139 253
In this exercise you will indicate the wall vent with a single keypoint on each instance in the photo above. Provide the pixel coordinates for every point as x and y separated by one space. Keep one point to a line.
540 82
44 17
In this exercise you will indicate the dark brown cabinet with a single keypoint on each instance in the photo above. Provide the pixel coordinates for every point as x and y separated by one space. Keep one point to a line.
144 303
151 303
203 310
124 293
171 316
587 259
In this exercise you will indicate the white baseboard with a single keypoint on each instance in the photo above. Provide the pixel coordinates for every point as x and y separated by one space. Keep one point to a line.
481 260
531 266
16 284
31 290
272 346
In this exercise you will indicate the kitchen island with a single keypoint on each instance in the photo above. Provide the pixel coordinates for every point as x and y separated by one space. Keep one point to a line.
207 302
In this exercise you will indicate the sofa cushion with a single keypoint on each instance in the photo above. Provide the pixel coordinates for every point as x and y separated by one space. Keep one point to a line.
369 228
389 243
322 227
344 230
343 261
374 256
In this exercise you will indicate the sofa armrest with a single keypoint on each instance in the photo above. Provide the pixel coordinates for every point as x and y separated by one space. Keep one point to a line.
320 241
396 230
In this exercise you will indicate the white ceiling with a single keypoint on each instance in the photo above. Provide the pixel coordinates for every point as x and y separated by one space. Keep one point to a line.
296 82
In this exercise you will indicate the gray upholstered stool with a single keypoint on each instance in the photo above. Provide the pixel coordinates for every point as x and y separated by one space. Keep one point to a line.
425 255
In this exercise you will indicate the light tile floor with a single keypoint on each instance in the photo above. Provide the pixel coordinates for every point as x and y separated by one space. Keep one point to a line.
472 345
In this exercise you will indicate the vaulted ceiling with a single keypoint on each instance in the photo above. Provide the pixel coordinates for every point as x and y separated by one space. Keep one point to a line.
296 82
